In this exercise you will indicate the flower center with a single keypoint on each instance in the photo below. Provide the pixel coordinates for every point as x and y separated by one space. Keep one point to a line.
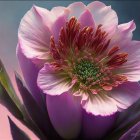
86 70
83 56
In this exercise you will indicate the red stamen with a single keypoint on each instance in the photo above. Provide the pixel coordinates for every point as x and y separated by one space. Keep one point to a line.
107 87
76 44
54 49
118 59
113 50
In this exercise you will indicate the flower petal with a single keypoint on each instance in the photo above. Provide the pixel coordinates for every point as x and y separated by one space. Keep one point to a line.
46 16
132 67
65 114
50 82
86 19
126 94
100 105
30 72
127 28
36 113
76 9
100 125
59 23
57 11
34 34
104 15
123 35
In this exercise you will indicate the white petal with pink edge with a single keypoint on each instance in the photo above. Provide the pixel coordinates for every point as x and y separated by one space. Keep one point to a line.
100 104
50 82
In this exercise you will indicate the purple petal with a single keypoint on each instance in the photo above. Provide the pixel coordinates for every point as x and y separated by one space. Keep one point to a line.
30 72
104 15
132 134
65 114
34 34
40 118
126 94
95 127
86 19
50 82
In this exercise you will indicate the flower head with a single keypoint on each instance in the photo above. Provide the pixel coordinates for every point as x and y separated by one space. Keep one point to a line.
84 59
82 53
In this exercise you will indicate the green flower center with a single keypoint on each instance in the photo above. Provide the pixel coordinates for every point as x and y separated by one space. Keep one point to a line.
87 71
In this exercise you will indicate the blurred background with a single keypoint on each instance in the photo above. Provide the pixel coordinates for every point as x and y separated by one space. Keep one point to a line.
11 13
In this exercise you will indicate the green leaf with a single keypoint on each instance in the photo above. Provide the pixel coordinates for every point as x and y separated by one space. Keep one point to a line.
8 103
10 100
6 83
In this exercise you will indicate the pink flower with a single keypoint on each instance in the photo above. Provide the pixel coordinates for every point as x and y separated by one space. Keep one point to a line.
81 59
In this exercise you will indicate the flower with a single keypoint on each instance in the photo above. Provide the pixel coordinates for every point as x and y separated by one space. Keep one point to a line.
82 63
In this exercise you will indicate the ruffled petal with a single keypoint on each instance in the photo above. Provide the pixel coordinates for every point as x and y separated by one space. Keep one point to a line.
104 15
100 125
86 19
100 105
127 28
50 82
123 35
76 9
132 67
65 114
34 34
123 39
126 94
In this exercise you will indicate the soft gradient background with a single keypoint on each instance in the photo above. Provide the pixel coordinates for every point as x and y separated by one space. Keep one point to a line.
11 13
